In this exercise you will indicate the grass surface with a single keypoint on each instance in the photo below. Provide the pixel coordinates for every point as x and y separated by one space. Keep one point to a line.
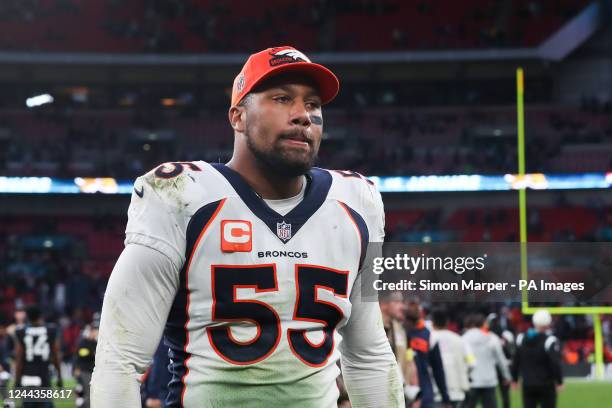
577 394
68 384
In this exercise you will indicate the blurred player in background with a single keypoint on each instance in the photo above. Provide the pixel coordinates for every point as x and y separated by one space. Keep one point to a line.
155 385
501 326
426 355
457 358
5 369
489 357
252 266
538 363
392 308
84 361
36 347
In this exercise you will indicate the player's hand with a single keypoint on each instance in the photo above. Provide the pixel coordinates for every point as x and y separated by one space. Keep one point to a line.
153 403
515 385
4 376
560 387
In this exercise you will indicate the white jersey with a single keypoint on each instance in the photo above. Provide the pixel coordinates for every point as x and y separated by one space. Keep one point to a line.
262 299
456 355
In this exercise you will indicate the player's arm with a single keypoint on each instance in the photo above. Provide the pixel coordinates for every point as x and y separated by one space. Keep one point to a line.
467 362
500 359
139 294
137 301
19 360
76 359
369 368
553 351
370 371
515 367
55 360
437 368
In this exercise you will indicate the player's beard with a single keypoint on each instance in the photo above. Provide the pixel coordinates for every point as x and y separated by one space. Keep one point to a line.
278 161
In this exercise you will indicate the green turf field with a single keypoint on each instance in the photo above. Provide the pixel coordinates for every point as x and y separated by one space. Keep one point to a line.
578 394
68 384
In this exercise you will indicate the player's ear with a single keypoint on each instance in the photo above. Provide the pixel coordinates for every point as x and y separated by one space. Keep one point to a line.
236 116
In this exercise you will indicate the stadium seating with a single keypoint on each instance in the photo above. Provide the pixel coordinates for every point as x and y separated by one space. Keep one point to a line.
377 141
197 26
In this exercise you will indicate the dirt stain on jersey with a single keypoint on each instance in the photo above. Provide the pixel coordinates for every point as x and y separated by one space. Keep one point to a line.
171 188
280 382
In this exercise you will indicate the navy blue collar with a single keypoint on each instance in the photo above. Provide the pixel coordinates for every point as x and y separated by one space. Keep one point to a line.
285 227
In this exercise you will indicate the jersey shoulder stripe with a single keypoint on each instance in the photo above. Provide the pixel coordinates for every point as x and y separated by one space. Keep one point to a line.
362 229
360 194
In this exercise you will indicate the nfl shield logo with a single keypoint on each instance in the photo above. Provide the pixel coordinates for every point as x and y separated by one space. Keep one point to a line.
283 230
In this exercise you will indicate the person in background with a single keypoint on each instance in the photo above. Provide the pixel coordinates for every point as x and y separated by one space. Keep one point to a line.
20 318
36 348
456 358
501 326
157 379
489 357
5 369
392 308
426 356
84 361
538 362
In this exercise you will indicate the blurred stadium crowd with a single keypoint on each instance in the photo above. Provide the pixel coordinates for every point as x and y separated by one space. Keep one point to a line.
63 262
325 25
123 144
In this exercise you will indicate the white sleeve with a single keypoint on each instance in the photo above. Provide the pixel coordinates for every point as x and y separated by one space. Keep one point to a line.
466 362
370 371
369 368
137 301
155 220
375 215
500 358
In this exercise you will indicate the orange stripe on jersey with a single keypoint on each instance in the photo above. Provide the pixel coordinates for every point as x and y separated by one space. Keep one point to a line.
143 378
195 247
352 219
361 227
419 344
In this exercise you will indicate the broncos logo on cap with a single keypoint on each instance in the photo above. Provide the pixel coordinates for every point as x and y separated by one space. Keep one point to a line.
287 56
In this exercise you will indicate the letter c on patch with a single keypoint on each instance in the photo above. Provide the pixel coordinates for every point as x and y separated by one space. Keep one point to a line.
236 236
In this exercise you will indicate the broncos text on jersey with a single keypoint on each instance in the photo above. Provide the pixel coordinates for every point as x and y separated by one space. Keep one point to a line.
263 297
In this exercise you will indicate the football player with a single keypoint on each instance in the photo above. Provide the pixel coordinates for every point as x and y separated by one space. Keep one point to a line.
84 360
37 347
251 266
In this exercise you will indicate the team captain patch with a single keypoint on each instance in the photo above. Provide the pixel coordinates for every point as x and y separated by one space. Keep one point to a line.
236 236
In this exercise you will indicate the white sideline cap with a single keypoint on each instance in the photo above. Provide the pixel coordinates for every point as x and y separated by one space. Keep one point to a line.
541 318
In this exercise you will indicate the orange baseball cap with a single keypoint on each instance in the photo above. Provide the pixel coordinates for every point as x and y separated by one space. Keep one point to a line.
276 60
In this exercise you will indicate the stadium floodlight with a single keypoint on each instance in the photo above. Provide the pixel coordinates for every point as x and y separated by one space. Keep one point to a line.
39 100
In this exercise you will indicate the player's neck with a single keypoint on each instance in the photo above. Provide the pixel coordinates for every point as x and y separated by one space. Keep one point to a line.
269 185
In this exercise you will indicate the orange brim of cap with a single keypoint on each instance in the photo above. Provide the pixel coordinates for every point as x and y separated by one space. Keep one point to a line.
327 82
